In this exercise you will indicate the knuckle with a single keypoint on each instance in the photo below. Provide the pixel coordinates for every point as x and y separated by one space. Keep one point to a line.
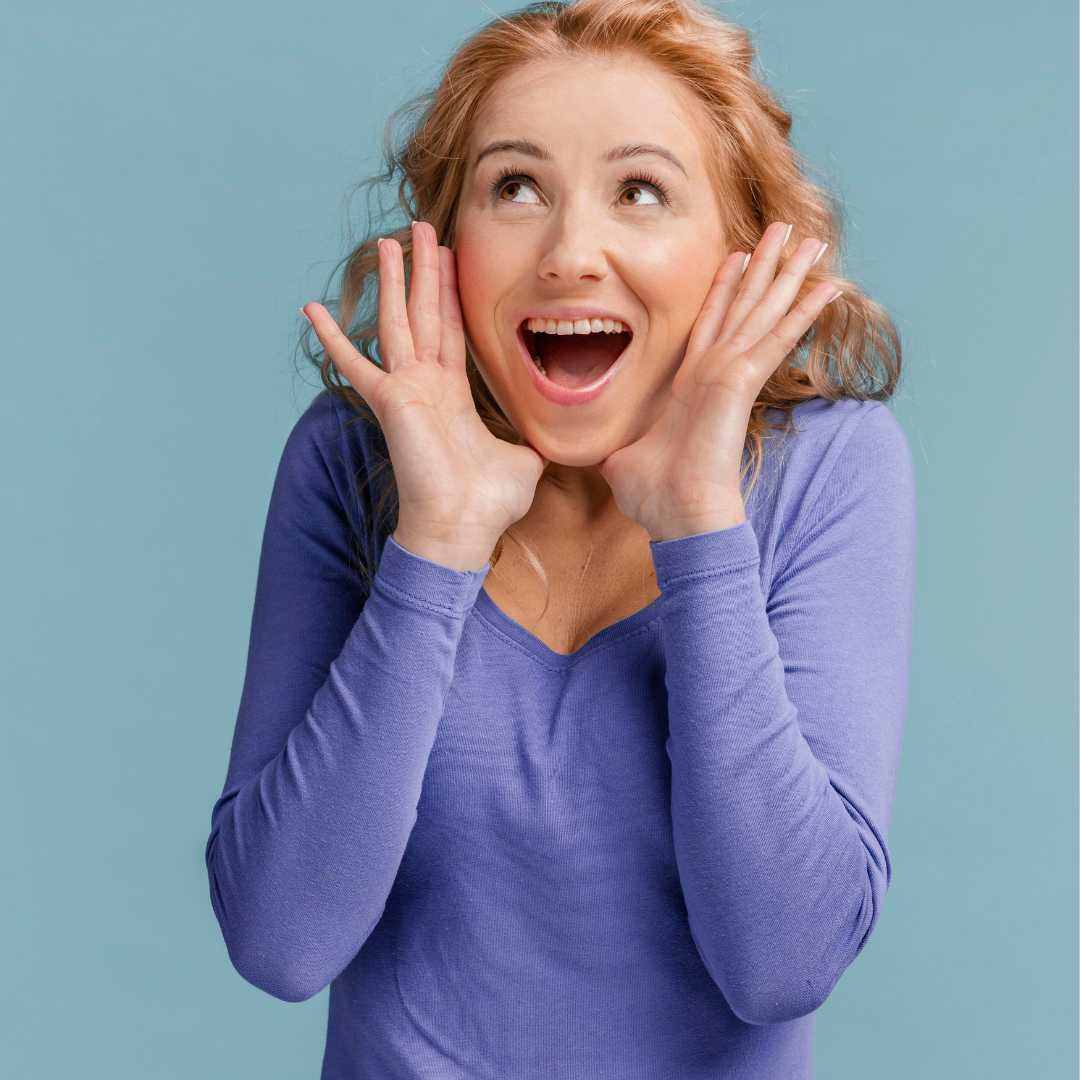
738 342
745 379
782 338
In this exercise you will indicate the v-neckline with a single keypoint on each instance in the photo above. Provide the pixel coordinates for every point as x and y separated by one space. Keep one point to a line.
489 610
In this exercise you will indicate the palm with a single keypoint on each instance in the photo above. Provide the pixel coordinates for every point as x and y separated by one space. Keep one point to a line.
686 468
436 438
454 477
682 462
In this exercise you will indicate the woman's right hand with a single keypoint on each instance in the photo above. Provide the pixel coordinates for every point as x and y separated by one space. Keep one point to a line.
459 486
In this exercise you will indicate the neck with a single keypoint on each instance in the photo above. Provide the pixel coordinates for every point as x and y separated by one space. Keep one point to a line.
574 504
574 495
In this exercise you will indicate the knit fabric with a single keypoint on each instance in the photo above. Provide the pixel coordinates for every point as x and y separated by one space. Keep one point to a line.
651 858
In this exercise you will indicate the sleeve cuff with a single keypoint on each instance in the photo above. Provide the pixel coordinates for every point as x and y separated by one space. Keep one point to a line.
717 552
406 577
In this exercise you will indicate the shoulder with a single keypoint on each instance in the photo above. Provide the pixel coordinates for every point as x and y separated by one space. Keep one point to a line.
329 431
321 424
848 457
818 416
331 449
849 430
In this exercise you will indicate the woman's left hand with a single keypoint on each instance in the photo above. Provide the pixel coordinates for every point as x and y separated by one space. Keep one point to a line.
682 476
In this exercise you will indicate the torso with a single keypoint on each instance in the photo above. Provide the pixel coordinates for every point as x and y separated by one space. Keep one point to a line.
585 592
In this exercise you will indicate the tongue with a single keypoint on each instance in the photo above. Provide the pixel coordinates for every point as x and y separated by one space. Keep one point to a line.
574 360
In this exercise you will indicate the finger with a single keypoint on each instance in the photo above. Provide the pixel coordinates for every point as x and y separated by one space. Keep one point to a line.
724 288
395 337
778 343
758 277
424 293
452 349
774 305
362 373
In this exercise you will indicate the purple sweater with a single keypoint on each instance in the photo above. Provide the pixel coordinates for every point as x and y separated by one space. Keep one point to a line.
652 858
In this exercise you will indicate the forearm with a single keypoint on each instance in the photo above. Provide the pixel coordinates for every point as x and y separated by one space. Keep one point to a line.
304 855
778 878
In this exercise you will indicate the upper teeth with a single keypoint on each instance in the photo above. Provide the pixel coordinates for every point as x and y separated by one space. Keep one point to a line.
577 326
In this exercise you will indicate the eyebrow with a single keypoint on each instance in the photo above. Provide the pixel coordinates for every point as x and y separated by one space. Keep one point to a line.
616 153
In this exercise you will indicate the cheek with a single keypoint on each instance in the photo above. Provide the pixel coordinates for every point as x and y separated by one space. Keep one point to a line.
673 300
675 283
477 281
658 257
680 259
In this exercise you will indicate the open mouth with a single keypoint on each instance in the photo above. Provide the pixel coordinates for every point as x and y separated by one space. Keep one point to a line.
574 360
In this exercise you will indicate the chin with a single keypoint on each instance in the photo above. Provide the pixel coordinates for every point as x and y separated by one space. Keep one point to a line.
574 451
575 461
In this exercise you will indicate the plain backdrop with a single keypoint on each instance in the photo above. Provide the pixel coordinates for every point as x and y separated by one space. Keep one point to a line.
175 183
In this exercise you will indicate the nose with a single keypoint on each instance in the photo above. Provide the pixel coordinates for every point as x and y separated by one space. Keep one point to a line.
575 249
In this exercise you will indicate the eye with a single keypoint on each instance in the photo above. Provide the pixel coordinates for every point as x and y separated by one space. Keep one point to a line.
504 180
509 177
645 180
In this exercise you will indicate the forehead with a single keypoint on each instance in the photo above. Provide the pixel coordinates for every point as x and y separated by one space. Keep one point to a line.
590 104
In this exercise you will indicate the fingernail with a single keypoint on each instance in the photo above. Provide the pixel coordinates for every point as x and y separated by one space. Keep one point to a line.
305 314
839 292
787 235
820 253
745 263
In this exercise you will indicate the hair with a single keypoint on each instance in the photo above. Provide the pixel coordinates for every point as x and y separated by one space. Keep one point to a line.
853 348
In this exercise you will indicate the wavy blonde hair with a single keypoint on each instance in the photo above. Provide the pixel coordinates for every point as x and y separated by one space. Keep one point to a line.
853 349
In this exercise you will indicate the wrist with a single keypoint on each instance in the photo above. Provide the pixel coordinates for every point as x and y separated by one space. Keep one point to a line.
674 526
454 554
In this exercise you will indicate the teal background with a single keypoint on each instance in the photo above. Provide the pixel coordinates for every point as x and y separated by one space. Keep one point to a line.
175 184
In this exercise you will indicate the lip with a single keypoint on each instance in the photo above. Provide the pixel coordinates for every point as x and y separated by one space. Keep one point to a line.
565 395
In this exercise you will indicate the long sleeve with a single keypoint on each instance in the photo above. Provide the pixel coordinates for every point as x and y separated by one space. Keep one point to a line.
785 720
341 700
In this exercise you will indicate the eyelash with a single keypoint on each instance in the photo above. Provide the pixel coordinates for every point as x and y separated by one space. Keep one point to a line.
646 178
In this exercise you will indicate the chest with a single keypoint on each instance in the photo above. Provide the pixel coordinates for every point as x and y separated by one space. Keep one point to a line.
533 744
583 594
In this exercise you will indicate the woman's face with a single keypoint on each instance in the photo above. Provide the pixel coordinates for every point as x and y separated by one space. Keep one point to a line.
569 231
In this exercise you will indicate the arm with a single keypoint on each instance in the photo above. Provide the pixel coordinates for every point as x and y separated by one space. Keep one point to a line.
341 700
785 726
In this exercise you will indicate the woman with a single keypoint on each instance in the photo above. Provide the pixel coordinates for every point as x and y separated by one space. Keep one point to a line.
628 821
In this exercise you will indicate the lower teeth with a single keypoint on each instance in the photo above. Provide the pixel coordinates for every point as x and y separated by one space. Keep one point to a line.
539 365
